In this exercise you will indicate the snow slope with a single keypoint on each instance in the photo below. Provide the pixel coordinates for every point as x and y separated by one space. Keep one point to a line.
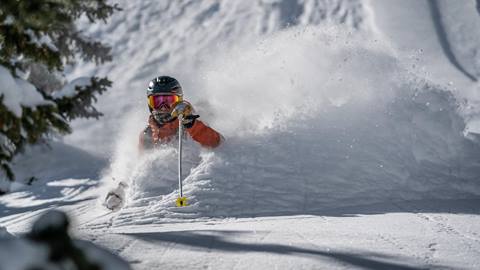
358 145
447 51
299 142
309 128
396 239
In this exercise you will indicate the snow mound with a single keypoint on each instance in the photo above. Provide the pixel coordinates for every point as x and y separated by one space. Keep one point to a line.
49 246
315 119
4 233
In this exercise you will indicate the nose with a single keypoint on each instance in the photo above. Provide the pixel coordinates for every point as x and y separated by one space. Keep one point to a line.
164 107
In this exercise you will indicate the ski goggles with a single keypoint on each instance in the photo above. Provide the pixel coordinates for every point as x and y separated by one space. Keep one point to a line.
155 101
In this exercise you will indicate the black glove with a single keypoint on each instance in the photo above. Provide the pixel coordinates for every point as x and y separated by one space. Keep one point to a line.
184 108
189 120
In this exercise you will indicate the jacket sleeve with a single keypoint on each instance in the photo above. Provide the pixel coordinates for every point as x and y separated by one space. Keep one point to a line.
204 135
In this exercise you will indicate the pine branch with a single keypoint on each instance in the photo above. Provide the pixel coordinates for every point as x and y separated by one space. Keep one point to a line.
40 35
81 104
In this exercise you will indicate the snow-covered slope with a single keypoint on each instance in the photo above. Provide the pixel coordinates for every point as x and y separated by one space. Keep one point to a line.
315 117
447 51
304 136
323 109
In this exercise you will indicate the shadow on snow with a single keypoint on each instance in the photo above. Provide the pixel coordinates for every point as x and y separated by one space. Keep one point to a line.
217 240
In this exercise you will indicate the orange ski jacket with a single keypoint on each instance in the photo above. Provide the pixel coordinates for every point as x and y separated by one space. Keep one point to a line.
155 134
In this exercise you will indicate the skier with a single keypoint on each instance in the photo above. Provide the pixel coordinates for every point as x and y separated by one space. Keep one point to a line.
165 102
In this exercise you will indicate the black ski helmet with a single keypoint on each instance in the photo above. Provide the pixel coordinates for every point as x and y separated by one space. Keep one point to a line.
164 85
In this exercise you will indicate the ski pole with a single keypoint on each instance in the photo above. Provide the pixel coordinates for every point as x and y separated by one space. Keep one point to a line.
180 139
181 201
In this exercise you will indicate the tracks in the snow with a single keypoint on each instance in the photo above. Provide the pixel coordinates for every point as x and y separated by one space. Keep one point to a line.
442 226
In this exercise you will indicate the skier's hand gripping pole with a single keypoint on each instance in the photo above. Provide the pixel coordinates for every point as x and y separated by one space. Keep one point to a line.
186 110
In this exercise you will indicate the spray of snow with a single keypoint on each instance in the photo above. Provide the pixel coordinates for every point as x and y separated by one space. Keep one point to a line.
191 33
314 119
294 73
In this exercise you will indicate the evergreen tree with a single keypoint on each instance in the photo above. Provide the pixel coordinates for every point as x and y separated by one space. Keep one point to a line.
38 38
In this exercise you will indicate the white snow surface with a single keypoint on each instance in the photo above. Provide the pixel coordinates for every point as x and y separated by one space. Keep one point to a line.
28 254
34 255
350 139
4 233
